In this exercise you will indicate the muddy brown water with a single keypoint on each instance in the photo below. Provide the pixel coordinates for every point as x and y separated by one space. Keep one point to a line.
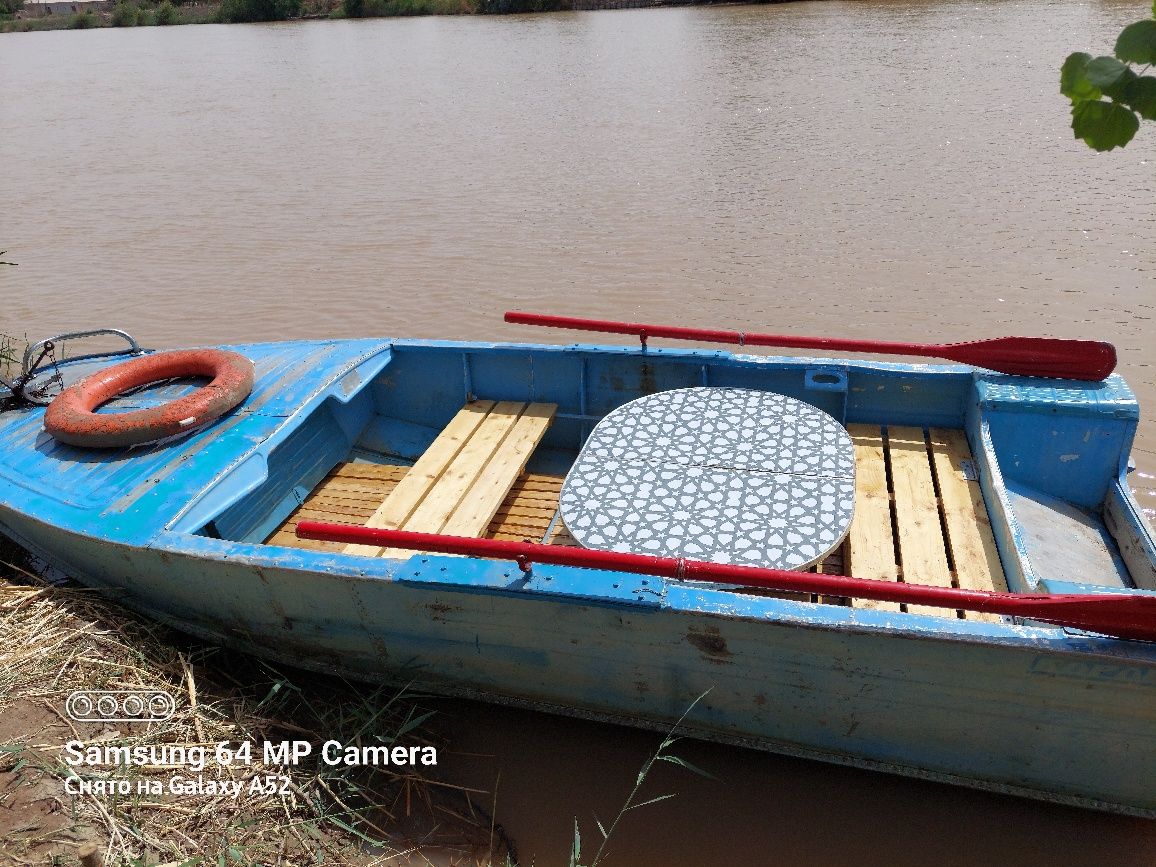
870 169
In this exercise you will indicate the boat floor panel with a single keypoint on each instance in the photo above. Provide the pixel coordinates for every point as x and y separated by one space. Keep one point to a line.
352 492
916 504
920 515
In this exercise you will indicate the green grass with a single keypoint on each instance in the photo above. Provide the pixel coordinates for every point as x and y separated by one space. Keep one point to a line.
32 25
125 14
662 754
166 14
83 21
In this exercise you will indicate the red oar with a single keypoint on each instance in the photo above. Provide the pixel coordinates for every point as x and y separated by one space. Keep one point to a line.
1118 614
1024 356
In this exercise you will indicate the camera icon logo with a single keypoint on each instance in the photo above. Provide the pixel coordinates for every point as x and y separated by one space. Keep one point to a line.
123 705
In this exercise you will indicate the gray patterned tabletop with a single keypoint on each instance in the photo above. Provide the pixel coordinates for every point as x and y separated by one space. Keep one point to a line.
728 475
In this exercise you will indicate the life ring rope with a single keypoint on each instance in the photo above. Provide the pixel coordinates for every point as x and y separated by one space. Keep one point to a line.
72 418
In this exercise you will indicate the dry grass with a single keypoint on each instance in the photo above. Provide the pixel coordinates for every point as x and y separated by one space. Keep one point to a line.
11 350
56 639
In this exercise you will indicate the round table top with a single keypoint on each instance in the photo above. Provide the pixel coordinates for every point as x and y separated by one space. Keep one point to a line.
727 475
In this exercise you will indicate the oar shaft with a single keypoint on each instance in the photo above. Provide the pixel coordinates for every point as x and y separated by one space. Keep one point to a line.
1125 616
1024 356
714 335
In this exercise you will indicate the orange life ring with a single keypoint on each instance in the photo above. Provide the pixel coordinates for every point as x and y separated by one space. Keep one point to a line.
70 417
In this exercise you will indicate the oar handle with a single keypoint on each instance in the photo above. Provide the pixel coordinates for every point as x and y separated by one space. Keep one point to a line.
1057 358
1120 615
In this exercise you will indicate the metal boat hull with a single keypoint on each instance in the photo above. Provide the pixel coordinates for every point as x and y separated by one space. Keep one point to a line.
1035 711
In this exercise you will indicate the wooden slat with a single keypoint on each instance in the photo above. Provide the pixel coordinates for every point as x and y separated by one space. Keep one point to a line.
921 548
453 485
509 522
352 470
533 534
506 521
562 536
354 487
444 498
870 540
513 536
534 498
538 486
500 473
411 491
969 535
339 499
541 517
525 511
308 544
317 511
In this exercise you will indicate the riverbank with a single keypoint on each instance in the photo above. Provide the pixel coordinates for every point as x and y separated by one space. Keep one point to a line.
144 13
61 639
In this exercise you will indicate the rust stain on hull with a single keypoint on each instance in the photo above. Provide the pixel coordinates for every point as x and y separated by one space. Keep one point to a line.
711 643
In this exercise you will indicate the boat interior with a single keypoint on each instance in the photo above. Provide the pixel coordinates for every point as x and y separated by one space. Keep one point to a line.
962 479
953 487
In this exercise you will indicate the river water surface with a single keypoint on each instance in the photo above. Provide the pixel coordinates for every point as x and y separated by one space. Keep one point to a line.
871 169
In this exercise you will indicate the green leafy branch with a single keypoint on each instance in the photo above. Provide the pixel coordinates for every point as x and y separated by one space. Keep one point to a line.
1110 123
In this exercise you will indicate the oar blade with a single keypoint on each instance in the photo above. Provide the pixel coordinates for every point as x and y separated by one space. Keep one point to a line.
1116 614
1057 358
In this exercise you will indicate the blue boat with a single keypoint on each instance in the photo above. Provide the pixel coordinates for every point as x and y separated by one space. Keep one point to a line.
963 478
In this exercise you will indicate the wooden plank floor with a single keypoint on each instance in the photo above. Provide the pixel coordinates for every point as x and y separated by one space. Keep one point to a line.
462 479
352 492
918 516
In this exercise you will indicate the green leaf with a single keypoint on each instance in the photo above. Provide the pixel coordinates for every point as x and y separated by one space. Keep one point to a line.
651 801
1104 125
1140 96
413 723
1137 42
1119 89
345 826
576 849
1103 72
1074 82
683 763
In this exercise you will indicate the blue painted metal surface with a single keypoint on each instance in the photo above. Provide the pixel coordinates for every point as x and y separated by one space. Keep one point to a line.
177 531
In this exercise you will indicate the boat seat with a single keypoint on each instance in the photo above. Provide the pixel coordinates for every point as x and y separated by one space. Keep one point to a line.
458 484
